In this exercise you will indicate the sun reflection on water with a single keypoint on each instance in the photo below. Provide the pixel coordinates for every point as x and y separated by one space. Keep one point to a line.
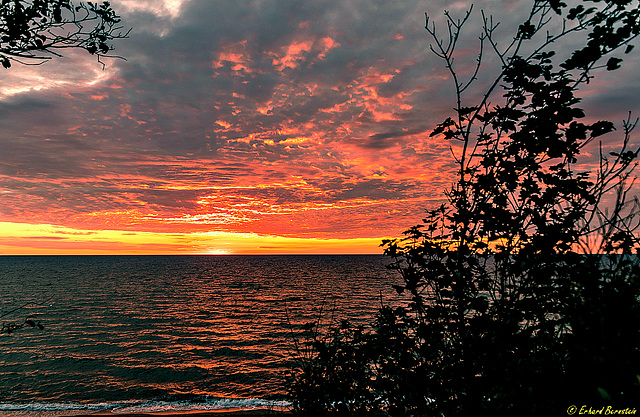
122 328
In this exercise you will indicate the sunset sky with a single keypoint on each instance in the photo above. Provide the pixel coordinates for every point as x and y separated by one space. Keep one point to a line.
242 127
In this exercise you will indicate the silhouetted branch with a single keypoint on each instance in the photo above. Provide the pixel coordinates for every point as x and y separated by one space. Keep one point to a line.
32 32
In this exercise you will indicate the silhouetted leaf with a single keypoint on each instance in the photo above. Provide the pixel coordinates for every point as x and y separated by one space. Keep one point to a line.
601 127
399 288
613 63
463 111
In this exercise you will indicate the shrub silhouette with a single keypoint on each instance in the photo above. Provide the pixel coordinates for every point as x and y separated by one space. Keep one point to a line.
525 285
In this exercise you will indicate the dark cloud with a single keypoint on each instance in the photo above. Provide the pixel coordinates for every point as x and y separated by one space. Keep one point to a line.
381 140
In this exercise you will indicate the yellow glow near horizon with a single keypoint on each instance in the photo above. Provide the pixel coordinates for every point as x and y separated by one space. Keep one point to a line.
46 239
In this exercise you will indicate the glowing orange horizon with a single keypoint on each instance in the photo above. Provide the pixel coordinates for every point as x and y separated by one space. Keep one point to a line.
45 239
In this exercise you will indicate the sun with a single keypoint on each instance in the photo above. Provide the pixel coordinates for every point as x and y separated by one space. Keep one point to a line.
216 251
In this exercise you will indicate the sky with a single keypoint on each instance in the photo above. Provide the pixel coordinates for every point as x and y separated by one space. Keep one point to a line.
243 127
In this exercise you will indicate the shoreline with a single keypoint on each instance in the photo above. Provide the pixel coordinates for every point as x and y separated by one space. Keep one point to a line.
227 412
195 413
229 407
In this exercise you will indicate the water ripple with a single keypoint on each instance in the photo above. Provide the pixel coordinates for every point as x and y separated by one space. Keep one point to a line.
143 328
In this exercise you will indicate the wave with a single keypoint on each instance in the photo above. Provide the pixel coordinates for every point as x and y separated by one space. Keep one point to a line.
181 328
122 407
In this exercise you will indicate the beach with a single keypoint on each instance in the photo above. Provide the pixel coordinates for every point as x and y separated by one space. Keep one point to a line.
229 412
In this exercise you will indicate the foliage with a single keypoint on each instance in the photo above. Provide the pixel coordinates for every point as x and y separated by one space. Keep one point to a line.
352 371
525 285
33 31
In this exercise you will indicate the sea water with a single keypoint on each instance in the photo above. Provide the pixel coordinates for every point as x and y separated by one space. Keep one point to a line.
169 333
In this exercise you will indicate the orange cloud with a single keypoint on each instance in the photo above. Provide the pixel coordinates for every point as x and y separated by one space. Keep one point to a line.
292 55
236 56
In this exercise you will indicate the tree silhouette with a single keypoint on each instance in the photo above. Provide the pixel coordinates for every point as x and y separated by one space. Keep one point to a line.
524 283
34 31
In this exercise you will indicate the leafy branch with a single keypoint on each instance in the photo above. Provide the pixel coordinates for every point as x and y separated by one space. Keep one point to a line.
34 31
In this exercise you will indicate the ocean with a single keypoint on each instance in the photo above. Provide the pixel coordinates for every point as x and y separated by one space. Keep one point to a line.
169 333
